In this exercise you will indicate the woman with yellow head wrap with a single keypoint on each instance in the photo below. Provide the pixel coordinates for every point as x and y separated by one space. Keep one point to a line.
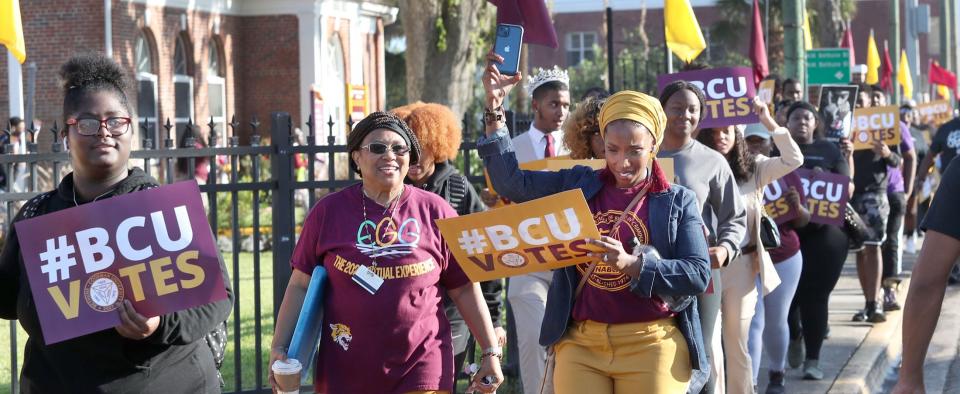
633 327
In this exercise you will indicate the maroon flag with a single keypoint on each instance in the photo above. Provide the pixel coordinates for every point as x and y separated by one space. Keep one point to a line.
942 76
532 15
886 70
758 48
847 42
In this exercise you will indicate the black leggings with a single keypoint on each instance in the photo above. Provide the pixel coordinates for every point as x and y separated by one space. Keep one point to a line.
824 251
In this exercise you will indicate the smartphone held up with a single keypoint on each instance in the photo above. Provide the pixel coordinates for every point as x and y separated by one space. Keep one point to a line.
507 45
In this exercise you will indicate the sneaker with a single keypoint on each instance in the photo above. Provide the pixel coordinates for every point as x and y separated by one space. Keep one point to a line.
811 370
876 316
796 353
775 386
910 245
860 316
890 300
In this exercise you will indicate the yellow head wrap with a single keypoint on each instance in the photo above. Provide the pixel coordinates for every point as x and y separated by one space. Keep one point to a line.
637 107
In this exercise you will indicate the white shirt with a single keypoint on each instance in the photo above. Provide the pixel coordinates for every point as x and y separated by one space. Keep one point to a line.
531 145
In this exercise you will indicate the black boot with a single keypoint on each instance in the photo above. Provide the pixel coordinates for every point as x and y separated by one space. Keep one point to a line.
775 386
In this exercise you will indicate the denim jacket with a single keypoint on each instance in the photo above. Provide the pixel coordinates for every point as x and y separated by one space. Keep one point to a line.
682 272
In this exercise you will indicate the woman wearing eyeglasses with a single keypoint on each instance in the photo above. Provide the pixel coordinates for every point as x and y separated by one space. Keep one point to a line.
166 353
384 326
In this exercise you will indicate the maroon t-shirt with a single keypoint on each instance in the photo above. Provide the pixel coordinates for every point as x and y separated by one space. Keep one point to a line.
396 340
789 241
606 298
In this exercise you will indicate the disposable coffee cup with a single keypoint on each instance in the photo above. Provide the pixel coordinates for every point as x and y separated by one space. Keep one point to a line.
287 374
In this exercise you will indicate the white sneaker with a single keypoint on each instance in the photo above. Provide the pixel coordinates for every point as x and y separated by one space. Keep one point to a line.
910 246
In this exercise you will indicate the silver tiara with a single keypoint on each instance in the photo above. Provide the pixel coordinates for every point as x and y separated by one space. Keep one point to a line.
543 76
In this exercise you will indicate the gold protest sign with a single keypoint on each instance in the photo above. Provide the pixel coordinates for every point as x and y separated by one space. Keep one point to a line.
557 164
765 91
936 112
875 124
539 235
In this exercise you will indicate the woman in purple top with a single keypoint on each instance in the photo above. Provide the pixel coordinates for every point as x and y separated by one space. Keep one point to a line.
384 326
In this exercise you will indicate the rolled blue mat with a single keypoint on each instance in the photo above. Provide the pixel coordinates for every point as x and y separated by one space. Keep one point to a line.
306 336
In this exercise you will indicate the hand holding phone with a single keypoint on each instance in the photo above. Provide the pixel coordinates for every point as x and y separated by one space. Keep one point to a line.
508 44
497 85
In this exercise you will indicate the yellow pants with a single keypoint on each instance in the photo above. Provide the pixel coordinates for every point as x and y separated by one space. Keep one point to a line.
649 357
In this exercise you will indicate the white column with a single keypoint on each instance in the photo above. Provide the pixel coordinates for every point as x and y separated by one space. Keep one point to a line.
309 50
14 86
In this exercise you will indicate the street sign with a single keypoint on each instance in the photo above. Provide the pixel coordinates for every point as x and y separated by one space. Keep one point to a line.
828 66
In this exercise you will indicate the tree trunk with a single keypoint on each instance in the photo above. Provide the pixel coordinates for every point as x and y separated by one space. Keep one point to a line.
440 58
831 22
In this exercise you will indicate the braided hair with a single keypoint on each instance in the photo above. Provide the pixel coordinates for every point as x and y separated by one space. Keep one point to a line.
90 73
381 120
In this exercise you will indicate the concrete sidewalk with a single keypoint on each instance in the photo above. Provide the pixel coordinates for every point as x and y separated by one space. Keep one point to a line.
857 356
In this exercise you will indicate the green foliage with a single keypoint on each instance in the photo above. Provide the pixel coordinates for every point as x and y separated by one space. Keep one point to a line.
588 74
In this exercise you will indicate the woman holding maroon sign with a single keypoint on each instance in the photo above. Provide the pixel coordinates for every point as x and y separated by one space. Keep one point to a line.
161 354
741 283
384 326
625 322
824 244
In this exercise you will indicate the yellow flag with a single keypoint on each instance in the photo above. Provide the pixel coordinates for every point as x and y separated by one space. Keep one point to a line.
683 32
873 61
943 91
903 76
807 38
11 30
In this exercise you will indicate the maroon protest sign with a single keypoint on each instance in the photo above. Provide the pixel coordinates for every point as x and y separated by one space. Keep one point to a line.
775 198
827 194
729 93
153 248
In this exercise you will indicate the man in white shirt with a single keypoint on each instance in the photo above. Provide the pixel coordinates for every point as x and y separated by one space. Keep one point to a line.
527 294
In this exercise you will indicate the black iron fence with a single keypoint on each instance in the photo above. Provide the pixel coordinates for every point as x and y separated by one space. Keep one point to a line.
261 178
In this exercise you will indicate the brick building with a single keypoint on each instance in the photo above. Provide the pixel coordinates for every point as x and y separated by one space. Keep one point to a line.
580 25
203 59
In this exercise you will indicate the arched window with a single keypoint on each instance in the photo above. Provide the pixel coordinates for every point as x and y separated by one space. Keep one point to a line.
182 86
216 90
146 85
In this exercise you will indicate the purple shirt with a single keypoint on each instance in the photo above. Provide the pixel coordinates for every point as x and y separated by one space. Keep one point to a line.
895 173
396 340
606 298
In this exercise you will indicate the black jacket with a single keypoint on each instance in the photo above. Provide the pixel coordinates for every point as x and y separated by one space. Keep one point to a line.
174 359
465 202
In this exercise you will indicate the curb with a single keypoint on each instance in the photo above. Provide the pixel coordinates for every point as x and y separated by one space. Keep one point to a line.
864 372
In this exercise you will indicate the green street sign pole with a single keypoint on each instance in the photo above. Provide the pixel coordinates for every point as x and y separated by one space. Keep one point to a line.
828 66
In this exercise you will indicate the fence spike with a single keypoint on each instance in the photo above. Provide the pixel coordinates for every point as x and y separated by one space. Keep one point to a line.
234 124
310 125
212 138
330 125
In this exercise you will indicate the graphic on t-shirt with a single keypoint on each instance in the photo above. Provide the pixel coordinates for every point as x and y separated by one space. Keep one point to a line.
390 272
341 335
953 140
386 239
605 277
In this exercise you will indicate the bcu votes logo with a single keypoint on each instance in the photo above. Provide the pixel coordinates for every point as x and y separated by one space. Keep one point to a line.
539 235
103 292
604 276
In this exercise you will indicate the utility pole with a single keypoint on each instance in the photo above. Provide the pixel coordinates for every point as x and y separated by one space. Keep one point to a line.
895 47
793 40
946 40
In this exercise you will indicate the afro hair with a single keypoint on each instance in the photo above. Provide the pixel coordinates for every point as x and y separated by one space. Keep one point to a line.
582 123
436 127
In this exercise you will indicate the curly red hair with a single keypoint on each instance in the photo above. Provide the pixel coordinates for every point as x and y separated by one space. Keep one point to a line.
582 123
436 127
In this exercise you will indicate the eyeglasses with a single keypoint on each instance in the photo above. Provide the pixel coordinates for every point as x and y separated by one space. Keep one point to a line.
116 125
379 148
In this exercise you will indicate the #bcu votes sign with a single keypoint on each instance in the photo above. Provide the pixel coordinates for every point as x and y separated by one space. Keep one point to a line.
728 92
827 194
936 112
539 235
875 124
775 202
153 248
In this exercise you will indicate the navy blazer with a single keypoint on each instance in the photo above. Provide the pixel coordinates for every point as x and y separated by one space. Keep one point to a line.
683 271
